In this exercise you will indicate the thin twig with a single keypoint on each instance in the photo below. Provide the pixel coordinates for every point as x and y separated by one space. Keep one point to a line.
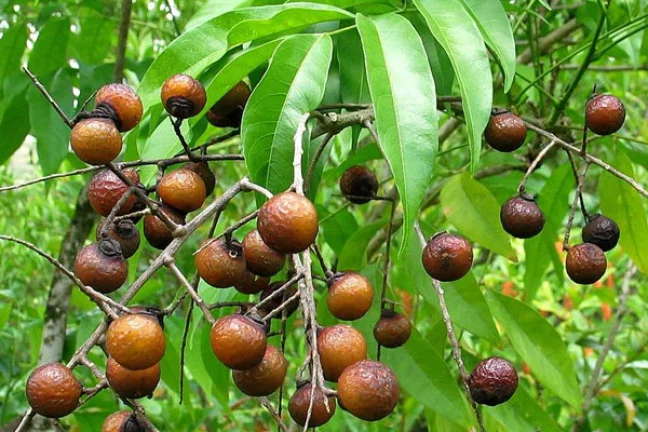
316 157
183 345
169 262
274 294
580 195
318 253
572 212
534 165
249 186
383 290
177 127
48 97
267 405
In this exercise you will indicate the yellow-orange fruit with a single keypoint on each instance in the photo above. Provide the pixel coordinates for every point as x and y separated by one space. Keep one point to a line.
183 190
238 341
96 141
132 384
220 264
205 173
350 296
121 102
264 378
136 341
260 259
53 391
300 401
288 222
183 96
369 390
340 346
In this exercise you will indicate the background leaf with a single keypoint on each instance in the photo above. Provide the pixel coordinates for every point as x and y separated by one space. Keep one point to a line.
49 52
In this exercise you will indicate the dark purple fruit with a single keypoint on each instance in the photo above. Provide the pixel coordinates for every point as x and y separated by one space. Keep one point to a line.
601 231
586 263
358 184
521 217
447 257
493 381
505 132
604 114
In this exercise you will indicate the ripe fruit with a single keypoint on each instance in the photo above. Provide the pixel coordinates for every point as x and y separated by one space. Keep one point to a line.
392 329
136 341
264 378
447 257
183 96
350 296
96 141
53 391
604 114
155 230
228 111
369 390
521 217
124 233
260 259
183 190
493 381
132 384
205 173
300 401
601 231
102 266
252 284
238 341
288 222
121 421
358 184
278 299
122 103
585 263
220 264
106 189
505 132
340 346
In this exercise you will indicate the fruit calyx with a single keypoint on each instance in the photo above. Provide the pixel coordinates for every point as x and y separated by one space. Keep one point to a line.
110 247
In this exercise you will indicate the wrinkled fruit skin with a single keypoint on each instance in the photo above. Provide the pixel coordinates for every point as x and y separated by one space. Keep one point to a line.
300 401
221 265
358 182
97 269
505 132
123 102
340 346
392 330
369 390
53 391
521 217
447 257
605 114
136 341
156 232
106 189
183 96
493 381
96 141
288 223
265 378
124 233
601 231
350 296
238 341
205 173
228 111
115 421
586 263
132 384
252 284
183 190
278 299
260 259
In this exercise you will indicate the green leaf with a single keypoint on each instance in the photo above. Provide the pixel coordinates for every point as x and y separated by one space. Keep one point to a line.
402 89
12 47
474 211
213 8
293 85
523 407
469 309
354 255
14 126
353 78
49 53
95 39
539 345
623 204
455 30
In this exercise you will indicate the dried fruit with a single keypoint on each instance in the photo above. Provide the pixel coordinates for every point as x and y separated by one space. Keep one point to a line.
252 284
102 266
350 296
123 232
53 391
392 330
183 190
279 299
106 189
96 141
505 132
221 264
264 378
369 390
121 421
238 341
228 111
321 413
260 259
521 217
447 257
205 173
604 114
586 263
155 230
122 105
183 96
136 341
493 381
132 384
340 346
601 231
288 222
358 184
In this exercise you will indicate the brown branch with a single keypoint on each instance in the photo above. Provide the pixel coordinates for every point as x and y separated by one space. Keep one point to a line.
169 262
122 42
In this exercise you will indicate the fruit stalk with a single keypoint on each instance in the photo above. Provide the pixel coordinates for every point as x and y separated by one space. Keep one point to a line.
572 211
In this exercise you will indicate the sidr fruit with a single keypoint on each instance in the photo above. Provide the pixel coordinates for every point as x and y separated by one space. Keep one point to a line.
155 230
350 296
238 341
136 341
392 329
205 173
278 299
339 347
369 390
505 132
106 189
585 263
121 103
183 190
53 391
260 259
228 111
132 384
521 217
288 222
123 232
183 96
264 378
252 284
96 141
300 401
493 381
121 421
102 266
221 264
604 114
447 257
358 184
601 231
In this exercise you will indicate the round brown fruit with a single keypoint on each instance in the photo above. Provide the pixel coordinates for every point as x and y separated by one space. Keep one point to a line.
339 347
115 422
601 231
122 103
155 230
205 173
228 111
586 263
350 296
359 184
183 96
238 341
183 190
521 217
493 381
53 391
278 299
252 284
132 384
260 259
447 257
106 189
96 141
604 114
300 401
220 264
505 132
102 266
369 390
136 341
264 378
288 223
123 232
392 329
